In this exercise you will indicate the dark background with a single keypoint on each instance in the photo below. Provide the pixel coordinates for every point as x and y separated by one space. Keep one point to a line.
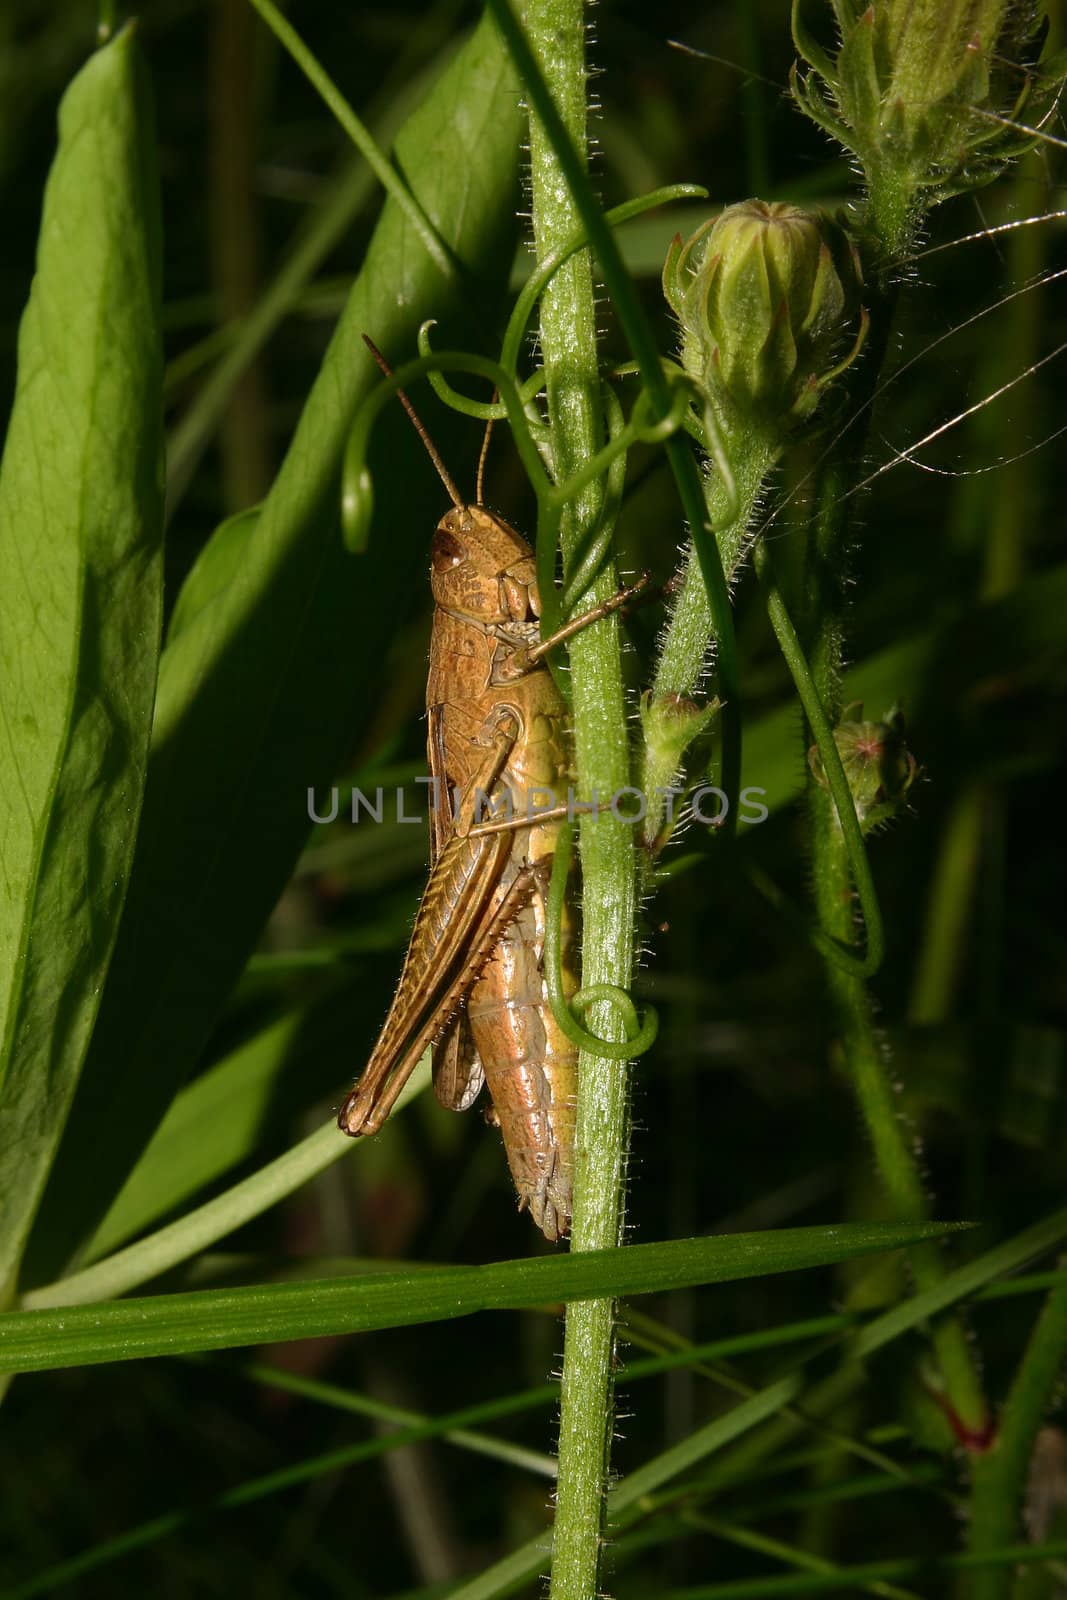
742 1119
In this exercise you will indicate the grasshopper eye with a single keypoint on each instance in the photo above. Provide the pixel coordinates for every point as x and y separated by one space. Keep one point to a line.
446 551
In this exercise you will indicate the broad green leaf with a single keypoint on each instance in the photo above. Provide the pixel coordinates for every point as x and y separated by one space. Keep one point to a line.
218 566
80 608
263 693
220 1319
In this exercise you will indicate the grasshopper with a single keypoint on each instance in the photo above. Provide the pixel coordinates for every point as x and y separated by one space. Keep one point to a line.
472 985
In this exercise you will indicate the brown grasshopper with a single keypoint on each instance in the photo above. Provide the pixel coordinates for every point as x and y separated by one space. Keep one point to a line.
472 984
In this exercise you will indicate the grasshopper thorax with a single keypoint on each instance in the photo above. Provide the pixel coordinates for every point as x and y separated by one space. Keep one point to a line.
483 569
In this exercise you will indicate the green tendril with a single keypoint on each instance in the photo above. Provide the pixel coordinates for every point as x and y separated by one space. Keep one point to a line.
715 446
593 550
481 410
643 1033
642 341
357 490
859 965
610 463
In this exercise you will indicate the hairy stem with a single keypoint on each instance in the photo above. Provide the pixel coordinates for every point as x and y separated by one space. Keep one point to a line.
556 30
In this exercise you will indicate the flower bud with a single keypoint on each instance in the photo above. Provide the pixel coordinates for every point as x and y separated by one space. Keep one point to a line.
763 295
928 94
878 764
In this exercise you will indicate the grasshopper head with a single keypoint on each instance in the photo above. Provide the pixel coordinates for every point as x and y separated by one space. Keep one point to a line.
483 569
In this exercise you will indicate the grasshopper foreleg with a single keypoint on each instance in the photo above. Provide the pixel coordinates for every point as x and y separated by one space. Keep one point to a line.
524 660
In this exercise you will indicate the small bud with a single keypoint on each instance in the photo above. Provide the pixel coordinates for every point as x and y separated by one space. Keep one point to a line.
928 94
763 295
878 764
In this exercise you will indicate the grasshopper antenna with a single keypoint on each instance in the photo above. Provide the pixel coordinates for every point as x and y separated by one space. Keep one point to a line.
417 423
479 483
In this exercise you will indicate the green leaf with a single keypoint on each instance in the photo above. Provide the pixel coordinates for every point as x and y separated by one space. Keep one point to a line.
34 1341
858 89
218 566
808 45
265 690
80 608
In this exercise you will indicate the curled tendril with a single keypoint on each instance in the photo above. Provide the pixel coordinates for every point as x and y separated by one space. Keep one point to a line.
357 492
650 428
639 429
532 438
481 410
643 1034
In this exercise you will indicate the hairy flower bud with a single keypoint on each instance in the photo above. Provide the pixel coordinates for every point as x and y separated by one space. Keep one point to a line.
928 94
763 294
878 764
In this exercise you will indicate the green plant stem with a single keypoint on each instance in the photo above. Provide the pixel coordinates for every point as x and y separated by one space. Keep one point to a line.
568 340
571 169
1000 1475
864 1052
754 108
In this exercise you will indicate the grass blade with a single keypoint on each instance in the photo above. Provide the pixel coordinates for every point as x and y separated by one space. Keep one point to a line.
178 1324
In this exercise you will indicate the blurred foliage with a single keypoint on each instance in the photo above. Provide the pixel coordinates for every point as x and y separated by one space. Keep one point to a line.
741 1120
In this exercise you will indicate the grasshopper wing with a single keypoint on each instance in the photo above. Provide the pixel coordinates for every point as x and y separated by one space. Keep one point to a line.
456 918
